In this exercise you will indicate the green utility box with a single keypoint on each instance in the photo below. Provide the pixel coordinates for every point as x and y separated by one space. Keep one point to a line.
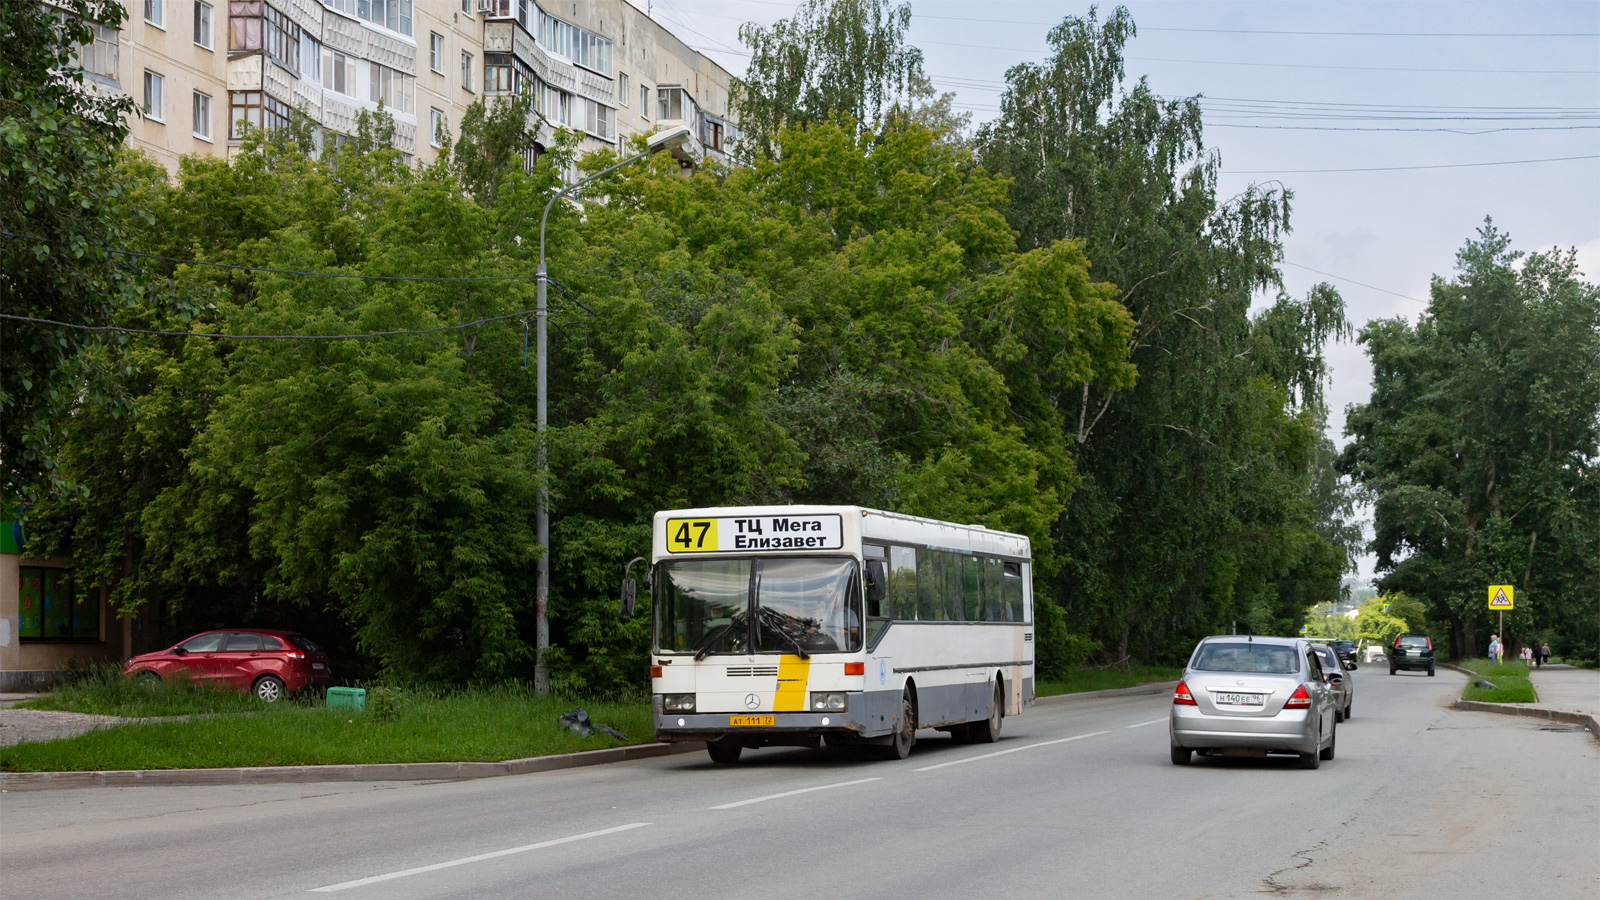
347 698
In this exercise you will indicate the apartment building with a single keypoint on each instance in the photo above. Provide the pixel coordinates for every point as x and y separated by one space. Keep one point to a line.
603 69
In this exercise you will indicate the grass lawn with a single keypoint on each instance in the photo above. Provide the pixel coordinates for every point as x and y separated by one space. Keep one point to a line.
485 724
104 692
1488 669
1508 689
1099 680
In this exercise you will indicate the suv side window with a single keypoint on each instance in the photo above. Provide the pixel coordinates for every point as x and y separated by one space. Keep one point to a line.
240 642
205 643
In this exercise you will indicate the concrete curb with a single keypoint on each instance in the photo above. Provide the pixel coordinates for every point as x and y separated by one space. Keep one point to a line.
1532 712
435 771
1149 687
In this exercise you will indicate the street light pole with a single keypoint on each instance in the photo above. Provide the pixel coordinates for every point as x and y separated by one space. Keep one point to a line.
665 140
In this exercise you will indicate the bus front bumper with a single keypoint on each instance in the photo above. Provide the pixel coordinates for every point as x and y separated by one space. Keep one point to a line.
791 727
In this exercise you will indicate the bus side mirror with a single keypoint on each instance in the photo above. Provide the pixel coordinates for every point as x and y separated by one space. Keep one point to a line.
630 590
877 580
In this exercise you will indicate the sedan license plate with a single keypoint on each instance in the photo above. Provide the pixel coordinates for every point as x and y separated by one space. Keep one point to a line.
1240 699
750 720
317 666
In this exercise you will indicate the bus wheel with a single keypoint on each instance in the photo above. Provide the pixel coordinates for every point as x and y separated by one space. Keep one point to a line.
988 731
905 734
725 751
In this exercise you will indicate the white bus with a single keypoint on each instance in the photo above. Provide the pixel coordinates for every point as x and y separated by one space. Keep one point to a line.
788 625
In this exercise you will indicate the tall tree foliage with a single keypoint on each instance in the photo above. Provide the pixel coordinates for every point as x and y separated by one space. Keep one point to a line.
843 59
1479 445
63 201
1198 504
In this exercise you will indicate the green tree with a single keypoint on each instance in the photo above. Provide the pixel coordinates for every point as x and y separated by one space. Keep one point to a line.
1207 496
1379 625
62 203
833 59
1479 445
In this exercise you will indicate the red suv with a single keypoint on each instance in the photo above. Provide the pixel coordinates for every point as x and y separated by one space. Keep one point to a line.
265 663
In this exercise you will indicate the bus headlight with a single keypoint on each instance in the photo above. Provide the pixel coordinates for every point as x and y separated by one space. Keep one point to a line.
828 701
677 702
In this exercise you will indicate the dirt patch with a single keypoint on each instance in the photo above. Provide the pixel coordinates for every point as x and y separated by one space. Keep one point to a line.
38 725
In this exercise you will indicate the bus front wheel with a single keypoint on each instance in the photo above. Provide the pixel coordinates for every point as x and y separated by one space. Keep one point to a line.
905 732
724 751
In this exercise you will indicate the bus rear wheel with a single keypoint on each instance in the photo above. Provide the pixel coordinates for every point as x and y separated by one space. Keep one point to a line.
988 731
724 751
905 732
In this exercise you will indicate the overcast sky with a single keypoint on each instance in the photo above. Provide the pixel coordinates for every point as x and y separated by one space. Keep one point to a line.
1526 75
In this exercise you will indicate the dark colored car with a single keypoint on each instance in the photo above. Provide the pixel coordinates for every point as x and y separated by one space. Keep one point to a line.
269 664
1346 651
1411 651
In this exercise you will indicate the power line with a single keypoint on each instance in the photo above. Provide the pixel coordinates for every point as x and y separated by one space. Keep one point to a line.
1355 282
1507 162
267 337
238 268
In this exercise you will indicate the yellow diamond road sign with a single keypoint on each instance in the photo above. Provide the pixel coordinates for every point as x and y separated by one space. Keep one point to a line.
1500 596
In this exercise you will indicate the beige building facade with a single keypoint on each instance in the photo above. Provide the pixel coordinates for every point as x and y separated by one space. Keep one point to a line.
601 69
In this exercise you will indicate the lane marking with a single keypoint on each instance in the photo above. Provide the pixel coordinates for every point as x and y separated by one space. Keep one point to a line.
345 885
1151 722
825 787
1012 750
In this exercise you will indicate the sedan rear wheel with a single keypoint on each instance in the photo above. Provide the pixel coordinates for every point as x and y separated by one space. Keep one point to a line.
1313 759
269 688
1348 707
1181 755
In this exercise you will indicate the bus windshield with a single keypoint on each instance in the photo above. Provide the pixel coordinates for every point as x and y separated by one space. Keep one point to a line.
801 605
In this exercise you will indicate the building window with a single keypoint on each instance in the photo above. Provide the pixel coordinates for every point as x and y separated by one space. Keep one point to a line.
281 39
391 88
555 105
711 133
338 72
310 59
466 7
202 24
436 52
99 57
580 45
154 15
644 101
202 115
674 103
598 119
152 96
499 9
48 608
394 15
466 70
257 109
622 90
527 15
435 128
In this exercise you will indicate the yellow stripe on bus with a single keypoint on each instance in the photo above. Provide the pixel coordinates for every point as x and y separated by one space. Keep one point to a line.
792 674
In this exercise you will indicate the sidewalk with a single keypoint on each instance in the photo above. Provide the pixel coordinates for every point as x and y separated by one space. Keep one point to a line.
1566 694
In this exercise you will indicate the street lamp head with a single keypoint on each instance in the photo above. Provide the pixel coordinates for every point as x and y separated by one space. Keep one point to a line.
669 138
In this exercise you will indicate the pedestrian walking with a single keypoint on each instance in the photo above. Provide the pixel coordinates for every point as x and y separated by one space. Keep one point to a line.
1544 654
1494 649
1527 656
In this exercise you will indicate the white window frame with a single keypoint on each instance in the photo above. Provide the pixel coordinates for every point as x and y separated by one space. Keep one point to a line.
203 10
622 89
435 122
644 102
155 111
436 52
201 105
466 72
155 14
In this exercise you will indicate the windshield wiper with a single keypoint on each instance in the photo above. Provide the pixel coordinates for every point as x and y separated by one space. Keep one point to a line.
703 649
762 621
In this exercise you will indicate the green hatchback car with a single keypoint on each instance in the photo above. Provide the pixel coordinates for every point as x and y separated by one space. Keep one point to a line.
1411 651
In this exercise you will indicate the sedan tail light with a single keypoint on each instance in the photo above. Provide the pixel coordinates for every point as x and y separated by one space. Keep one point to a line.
294 654
1300 699
1181 696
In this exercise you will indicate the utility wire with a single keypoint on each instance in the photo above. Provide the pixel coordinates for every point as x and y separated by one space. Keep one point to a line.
1507 162
1355 282
267 337
237 268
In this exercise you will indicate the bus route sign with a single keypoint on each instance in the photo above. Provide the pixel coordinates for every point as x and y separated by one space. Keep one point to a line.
1501 596
743 533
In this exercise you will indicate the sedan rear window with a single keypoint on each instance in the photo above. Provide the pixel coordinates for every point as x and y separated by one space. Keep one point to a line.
304 643
1260 658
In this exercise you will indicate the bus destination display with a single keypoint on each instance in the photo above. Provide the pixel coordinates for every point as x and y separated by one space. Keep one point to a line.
718 535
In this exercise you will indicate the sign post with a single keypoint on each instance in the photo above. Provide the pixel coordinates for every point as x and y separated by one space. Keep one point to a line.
1501 598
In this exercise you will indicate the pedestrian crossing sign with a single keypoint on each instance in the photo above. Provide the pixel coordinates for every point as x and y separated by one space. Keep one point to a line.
1500 596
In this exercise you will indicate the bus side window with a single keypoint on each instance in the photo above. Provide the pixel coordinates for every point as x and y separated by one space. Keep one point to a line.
954 594
903 582
1012 589
972 588
929 587
994 603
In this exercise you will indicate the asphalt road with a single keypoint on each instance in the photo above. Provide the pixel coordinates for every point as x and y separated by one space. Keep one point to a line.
1077 800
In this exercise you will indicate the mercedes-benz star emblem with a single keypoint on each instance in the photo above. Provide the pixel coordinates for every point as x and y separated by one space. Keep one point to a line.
751 701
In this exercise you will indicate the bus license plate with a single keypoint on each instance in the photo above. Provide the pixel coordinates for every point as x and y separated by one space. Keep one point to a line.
1240 700
750 720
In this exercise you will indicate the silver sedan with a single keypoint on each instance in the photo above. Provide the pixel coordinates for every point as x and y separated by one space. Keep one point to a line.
1250 696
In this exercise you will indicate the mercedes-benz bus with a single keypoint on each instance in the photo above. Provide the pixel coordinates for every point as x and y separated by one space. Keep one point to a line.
797 625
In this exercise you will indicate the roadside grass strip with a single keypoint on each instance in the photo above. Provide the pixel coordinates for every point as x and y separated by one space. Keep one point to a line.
958 762
1487 669
821 787
468 860
102 691
1508 689
478 725
1106 679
